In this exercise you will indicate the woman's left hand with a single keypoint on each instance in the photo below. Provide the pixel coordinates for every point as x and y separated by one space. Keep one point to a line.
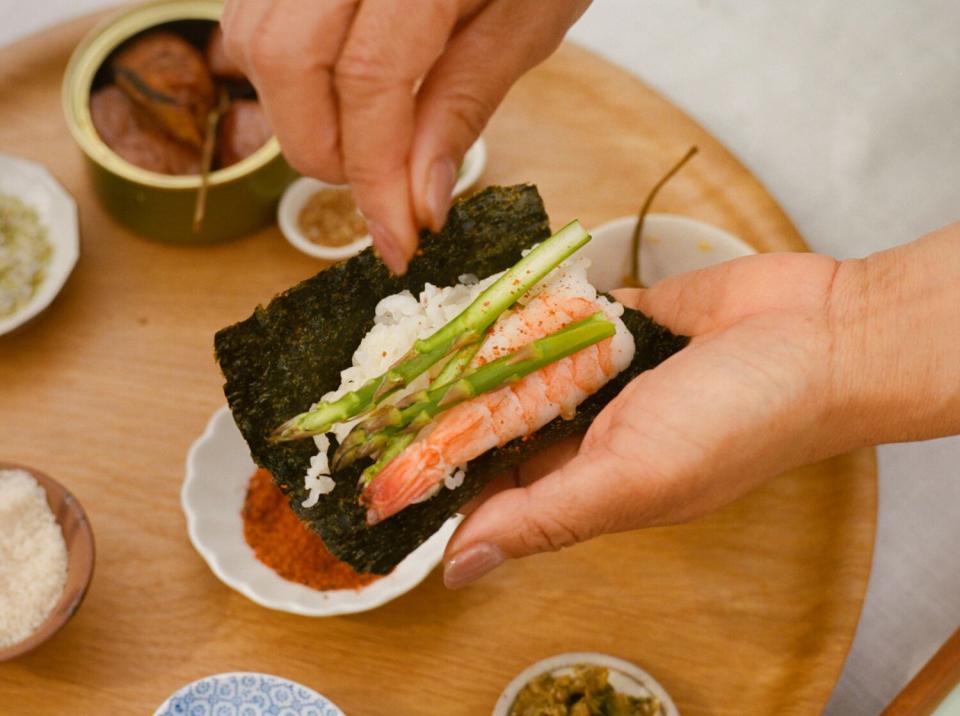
793 358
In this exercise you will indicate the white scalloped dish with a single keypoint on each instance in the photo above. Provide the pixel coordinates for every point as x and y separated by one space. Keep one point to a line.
218 471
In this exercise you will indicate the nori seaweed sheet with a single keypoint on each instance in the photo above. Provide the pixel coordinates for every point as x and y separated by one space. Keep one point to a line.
285 356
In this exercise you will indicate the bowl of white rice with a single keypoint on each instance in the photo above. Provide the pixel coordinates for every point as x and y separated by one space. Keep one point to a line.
46 558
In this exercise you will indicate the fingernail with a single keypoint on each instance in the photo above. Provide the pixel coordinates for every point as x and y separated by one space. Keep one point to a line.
440 181
471 564
387 247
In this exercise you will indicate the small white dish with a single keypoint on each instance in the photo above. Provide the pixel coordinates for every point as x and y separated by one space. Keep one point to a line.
35 186
300 190
671 244
288 212
625 677
246 693
219 468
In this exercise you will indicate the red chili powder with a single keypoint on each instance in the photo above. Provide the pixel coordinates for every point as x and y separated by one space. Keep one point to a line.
286 545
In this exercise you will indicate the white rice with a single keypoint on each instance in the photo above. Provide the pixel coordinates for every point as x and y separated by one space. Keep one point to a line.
452 482
401 319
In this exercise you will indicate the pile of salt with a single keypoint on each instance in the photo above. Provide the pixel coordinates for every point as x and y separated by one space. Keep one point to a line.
33 557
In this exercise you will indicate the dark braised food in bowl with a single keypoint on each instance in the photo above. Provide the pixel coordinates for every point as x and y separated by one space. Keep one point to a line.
243 130
132 134
166 77
166 96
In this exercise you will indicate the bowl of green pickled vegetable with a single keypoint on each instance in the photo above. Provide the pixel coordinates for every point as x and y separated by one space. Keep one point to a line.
584 684
39 240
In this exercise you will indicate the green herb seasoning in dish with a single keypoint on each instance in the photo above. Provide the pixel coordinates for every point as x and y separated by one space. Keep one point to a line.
584 691
24 254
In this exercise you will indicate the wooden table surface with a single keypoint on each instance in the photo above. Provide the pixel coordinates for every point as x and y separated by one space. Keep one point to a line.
749 611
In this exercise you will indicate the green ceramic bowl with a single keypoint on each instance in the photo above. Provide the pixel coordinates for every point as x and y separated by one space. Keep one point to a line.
240 198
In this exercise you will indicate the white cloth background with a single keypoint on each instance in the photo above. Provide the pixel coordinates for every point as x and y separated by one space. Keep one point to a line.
848 112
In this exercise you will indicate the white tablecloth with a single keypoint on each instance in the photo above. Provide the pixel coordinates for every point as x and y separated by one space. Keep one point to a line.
850 114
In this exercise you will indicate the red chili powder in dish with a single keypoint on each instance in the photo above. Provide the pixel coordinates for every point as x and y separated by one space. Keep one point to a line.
286 545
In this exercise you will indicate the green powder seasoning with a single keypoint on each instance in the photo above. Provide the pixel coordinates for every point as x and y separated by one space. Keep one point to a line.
24 254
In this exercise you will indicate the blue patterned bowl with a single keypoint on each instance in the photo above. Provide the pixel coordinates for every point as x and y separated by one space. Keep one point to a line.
244 693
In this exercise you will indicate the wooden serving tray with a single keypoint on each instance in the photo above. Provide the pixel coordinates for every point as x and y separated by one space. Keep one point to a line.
750 611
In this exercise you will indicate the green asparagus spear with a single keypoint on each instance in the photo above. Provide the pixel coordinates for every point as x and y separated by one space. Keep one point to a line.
357 445
464 330
457 364
409 416
397 445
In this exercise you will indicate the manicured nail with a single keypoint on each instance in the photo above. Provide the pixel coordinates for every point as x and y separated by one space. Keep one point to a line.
471 564
440 181
387 247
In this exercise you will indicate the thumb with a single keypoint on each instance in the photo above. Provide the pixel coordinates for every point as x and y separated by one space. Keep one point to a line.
584 498
718 296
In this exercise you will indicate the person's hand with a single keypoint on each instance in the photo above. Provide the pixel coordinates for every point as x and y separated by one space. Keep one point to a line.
793 358
388 96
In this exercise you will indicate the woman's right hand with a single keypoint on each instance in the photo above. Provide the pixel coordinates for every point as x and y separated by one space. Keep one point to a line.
388 96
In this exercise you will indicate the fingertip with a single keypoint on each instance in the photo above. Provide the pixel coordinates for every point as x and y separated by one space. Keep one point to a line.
389 249
659 302
435 195
408 248
396 265
630 297
470 564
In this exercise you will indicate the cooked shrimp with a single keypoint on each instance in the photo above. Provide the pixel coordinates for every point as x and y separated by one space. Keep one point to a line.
495 418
